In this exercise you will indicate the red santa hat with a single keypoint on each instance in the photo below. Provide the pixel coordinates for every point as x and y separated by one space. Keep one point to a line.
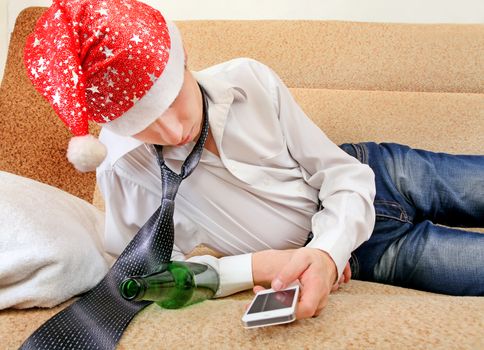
115 62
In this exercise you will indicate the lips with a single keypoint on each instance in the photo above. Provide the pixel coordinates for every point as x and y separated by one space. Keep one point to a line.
185 140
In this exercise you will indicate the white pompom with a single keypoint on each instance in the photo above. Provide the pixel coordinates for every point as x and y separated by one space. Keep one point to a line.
86 152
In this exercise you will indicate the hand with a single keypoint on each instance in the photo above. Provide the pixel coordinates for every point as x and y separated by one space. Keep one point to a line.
266 264
315 270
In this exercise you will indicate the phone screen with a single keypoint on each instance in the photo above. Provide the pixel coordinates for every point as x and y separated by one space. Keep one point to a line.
272 301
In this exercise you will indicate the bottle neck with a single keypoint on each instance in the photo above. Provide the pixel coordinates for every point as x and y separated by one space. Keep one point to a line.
132 288
156 286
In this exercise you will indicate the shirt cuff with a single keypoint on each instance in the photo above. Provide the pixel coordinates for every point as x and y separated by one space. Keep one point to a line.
234 272
338 250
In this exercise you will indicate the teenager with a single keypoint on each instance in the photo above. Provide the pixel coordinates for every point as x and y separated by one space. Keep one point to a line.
271 192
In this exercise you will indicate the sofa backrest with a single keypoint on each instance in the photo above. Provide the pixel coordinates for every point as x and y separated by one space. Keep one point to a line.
416 84
348 55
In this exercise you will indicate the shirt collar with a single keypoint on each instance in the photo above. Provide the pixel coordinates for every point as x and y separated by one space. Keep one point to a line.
220 92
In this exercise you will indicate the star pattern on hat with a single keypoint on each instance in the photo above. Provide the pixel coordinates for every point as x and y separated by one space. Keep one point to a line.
136 39
56 97
152 77
93 89
93 60
108 52
57 14
75 79
102 11
37 42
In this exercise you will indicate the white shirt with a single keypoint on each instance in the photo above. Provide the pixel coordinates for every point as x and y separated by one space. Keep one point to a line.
275 166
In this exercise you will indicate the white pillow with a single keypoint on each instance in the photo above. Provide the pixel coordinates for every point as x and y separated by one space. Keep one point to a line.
50 244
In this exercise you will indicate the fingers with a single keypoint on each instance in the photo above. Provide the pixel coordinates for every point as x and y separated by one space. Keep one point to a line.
316 271
314 294
316 282
257 289
296 268
291 271
345 278
321 306
347 273
336 285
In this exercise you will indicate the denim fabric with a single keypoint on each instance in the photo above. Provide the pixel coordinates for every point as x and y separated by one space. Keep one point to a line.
417 193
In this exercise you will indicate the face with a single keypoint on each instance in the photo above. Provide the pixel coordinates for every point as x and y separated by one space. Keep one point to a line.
181 122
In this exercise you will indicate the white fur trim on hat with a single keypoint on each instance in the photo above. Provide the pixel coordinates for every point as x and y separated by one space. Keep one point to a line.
161 95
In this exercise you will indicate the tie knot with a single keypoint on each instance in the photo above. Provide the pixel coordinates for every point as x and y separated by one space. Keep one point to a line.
170 182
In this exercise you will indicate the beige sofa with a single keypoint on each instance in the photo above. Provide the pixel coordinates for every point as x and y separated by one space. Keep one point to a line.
422 85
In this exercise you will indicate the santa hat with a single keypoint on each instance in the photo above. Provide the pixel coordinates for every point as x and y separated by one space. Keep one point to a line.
115 62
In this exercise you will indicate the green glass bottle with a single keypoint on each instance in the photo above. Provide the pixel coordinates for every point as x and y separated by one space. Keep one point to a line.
174 285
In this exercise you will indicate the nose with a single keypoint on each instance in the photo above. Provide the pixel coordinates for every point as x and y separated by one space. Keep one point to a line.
173 127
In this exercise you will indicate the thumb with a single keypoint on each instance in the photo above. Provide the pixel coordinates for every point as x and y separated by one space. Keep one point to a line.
290 272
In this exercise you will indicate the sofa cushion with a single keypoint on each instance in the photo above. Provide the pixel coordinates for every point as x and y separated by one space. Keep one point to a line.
441 122
361 315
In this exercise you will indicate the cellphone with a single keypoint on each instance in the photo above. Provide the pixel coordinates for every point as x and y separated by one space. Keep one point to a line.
270 307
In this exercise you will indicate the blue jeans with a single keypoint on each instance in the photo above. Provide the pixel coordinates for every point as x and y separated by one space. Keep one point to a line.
420 197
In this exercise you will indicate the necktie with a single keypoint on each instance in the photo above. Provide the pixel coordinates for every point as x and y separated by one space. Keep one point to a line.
97 320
